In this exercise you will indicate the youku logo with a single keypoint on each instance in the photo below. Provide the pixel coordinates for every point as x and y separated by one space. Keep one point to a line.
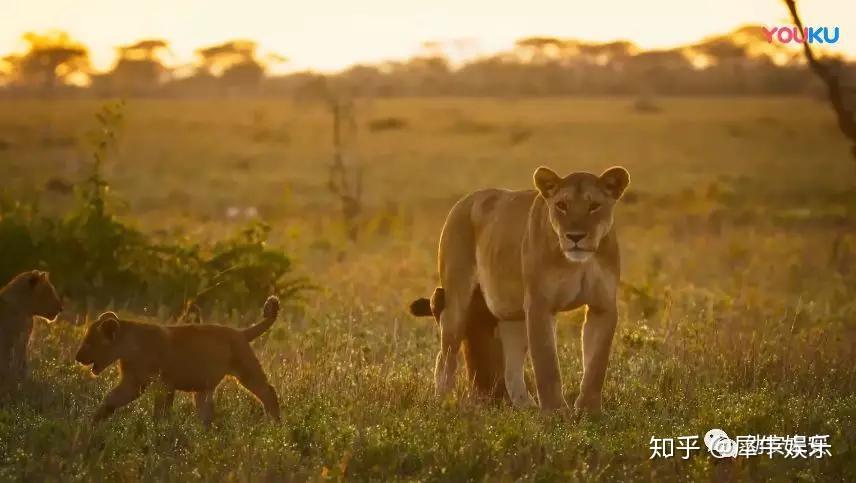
812 35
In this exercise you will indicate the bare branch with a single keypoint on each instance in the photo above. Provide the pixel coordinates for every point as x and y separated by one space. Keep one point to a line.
345 181
846 116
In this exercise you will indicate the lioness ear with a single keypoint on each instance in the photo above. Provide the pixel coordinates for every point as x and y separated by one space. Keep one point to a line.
109 326
615 180
546 181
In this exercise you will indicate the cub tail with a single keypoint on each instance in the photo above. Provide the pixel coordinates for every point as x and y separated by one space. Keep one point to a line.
270 311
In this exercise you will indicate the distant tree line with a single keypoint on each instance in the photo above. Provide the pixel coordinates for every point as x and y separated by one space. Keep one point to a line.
741 62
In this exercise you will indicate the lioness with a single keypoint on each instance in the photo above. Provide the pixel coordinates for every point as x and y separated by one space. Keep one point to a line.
27 295
514 259
191 358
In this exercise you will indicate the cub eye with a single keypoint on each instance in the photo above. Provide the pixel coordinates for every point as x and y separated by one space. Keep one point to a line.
562 206
594 207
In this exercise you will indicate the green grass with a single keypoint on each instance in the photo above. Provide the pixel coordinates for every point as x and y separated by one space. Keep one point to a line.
737 310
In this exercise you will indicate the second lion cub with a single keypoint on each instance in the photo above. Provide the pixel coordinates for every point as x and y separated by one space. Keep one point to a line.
192 358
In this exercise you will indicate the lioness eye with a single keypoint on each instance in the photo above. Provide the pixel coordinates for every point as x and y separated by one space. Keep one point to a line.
561 206
594 207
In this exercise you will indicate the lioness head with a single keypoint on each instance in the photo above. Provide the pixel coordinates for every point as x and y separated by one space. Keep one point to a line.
99 348
35 294
580 207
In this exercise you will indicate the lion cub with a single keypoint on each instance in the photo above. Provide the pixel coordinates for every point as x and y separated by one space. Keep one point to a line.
192 358
28 295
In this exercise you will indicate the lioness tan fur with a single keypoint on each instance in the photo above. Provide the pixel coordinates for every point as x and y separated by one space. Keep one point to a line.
27 295
529 255
192 358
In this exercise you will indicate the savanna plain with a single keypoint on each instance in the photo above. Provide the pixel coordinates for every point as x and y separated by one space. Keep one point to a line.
737 305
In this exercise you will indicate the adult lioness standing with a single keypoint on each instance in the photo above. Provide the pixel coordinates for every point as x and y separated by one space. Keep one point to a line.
528 255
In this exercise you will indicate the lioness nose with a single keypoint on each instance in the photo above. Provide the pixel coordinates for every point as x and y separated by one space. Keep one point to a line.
575 236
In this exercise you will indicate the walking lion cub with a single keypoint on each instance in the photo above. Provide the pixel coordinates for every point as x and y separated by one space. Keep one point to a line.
193 358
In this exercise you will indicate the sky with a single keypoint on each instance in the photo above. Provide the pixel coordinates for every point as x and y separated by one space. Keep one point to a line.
328 35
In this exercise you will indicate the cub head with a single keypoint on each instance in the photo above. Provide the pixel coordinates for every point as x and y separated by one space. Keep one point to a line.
580 207
35 293
99 348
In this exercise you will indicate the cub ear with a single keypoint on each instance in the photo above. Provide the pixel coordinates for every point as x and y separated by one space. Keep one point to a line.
546 181
108 316
35 277
109 325
615 180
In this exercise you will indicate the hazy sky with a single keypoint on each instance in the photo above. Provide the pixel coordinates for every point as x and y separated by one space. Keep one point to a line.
331 34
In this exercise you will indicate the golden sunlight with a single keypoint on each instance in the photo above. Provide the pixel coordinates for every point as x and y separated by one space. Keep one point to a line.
329 35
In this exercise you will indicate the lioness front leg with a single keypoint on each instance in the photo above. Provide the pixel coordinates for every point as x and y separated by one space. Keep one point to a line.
540 326
514 347
598 330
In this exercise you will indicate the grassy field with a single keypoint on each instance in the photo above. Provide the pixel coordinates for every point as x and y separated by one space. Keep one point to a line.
738 308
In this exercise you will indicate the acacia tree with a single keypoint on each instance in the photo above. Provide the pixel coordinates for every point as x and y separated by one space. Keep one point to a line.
140 67
5 70
235 63
52 59
543 50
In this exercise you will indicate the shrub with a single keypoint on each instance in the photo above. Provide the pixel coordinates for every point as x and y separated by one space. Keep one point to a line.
387 124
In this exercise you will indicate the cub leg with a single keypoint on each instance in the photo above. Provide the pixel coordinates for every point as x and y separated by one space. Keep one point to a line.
250 374
128 389
204 401
18 366
163 401
514 347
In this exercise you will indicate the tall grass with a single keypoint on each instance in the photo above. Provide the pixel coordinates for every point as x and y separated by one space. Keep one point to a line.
737 305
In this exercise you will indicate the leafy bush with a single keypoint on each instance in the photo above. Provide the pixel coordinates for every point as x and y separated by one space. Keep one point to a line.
97 260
